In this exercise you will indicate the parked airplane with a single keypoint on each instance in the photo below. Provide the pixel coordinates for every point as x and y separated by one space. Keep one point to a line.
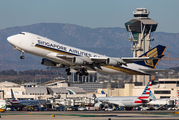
174 102
20 103
130 101
62 56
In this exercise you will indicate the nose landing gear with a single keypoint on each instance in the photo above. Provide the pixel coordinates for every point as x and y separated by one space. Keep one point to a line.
22 55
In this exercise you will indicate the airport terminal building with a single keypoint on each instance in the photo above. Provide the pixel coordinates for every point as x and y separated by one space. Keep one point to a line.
163 88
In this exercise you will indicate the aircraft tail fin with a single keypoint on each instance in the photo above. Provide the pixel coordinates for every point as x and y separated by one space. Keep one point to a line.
146 92
156 52
151 96
12 95
102 92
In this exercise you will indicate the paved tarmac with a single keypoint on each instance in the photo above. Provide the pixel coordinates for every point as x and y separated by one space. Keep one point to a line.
89 115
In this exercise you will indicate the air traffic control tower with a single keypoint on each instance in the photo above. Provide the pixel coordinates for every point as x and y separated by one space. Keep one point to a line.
140 28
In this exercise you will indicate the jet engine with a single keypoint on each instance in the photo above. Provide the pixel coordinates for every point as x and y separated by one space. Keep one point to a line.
48 62
111 62
78 61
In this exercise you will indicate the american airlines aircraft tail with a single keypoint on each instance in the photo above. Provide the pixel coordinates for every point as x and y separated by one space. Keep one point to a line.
62 56
12 95
130 101
146 95
19 104
102 92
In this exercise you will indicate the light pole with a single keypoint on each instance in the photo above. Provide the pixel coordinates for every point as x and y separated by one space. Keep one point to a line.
1 88
118 86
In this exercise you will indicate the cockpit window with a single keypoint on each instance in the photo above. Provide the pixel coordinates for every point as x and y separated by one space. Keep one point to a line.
22 33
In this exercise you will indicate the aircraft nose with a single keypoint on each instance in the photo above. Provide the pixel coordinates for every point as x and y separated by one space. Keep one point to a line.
12 40
9 39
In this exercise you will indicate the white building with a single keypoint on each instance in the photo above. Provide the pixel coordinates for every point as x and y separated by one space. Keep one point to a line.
164 88
32 91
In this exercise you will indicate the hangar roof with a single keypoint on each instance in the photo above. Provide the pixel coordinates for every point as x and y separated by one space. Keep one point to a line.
59 90
6 83
36 90
76 90
62 90
29 83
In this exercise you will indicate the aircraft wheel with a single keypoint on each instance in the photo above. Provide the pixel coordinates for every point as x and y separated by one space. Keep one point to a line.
68 73
128 108
22 57
86 74
80 74
67 70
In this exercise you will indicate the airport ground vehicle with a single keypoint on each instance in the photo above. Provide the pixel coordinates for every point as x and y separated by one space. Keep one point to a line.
81 108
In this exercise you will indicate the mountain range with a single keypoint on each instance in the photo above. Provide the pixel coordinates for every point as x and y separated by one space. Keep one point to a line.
108 41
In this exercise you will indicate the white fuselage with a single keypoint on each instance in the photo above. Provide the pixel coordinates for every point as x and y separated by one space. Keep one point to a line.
46 48
19 103
128 101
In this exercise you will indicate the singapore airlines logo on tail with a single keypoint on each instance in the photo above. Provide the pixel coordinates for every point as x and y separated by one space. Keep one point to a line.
152 53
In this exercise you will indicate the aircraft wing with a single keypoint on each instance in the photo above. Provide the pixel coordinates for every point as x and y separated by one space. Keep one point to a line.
92 61
65 56
75 60
119 61
99 61
135 59
54 55
112 102
155 70
68 58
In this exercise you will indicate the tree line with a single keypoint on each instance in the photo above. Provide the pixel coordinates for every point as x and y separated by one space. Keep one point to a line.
32 72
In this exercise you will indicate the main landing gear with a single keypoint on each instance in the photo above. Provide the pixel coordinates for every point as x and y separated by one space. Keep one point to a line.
68 71
80 72
22 55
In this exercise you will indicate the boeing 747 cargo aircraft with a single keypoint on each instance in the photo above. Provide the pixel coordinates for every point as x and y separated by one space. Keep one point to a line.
62 56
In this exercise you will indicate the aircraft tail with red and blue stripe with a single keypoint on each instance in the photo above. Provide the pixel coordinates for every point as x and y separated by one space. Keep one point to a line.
146 95
12 95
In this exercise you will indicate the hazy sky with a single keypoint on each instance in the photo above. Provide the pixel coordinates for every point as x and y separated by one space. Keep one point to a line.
88 13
